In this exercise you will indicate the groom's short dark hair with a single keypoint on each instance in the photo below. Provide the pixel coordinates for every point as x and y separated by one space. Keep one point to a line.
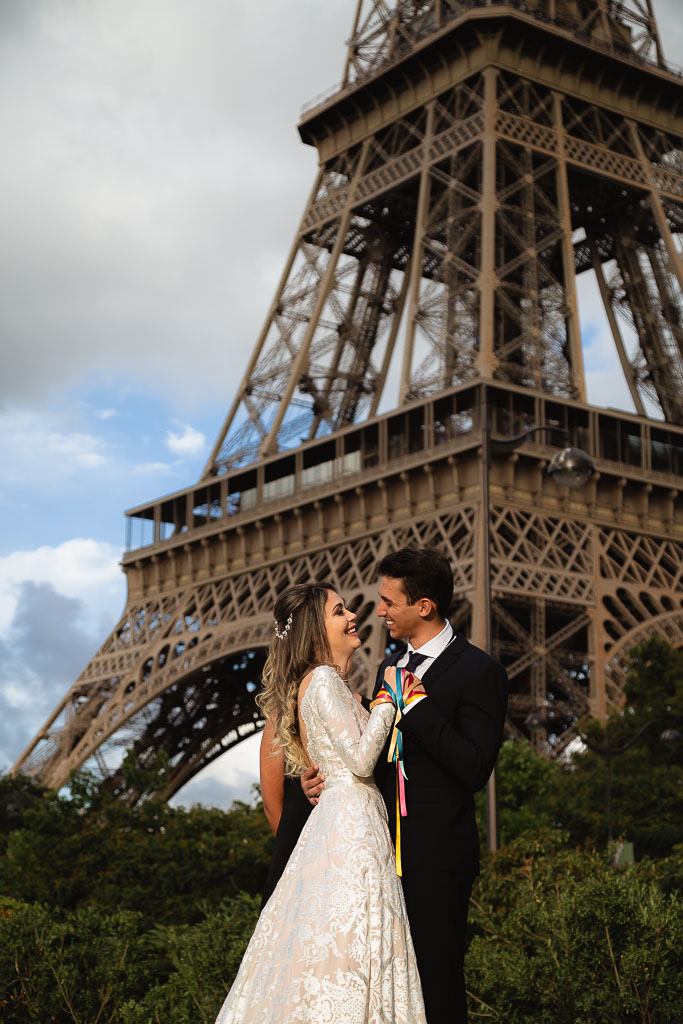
423 572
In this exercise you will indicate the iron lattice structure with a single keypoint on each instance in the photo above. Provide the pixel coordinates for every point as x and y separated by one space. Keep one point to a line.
475 161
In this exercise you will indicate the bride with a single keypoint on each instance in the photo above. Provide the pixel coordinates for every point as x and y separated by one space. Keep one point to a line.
332 944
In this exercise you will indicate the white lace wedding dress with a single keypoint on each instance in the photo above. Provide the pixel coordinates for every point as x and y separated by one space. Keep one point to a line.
332 944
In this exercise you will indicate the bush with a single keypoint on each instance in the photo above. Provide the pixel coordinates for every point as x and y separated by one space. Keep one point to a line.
205 958
525 781
559 936
88 967
153 859
140 915
74 968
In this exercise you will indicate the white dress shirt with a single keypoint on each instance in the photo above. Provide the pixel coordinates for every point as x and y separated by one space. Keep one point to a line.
432 649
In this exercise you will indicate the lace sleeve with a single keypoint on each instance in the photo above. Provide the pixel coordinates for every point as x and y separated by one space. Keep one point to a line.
333 702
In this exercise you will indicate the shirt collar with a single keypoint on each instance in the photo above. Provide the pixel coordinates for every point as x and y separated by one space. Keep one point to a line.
434 647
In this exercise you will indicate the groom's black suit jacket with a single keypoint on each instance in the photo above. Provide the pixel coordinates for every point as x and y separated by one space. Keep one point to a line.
451 741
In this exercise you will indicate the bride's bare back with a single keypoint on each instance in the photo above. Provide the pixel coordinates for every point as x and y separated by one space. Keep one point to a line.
303 686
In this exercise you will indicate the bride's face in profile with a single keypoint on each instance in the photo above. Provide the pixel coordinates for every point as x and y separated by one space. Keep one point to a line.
340 627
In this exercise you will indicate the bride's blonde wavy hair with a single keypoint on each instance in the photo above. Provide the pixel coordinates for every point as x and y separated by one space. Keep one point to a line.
300 643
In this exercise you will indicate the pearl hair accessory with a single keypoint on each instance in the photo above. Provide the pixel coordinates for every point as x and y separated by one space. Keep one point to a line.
285 631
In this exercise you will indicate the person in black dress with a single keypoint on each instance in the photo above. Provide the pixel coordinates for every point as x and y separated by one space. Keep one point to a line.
285 806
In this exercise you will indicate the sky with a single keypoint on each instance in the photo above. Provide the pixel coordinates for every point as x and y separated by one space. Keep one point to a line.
151 182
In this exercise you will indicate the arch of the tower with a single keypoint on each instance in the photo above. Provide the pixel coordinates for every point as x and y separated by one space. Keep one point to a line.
546 644
668 625
171 679
210 707
189 694
204 713
572 578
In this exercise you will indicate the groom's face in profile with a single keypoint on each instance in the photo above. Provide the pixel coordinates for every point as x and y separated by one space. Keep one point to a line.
403 619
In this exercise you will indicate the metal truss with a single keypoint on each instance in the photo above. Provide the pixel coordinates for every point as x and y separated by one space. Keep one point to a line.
550 558
451 238
384 32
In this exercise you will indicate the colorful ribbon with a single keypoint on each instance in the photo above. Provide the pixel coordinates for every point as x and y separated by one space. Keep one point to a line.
403 697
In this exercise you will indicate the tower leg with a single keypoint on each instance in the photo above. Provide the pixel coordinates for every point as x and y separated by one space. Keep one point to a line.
675 261
572 306
487 275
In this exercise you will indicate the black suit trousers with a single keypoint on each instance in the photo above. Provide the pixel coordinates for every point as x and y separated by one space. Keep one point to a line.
437 904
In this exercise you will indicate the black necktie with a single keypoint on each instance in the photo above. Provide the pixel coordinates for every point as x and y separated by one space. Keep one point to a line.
414 659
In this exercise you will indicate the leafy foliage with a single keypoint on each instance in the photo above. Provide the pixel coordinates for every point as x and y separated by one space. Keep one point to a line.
17 795
59 969
561 937
646 777
525 783
654 688
156 860
646 769
89 966
558 935
205 958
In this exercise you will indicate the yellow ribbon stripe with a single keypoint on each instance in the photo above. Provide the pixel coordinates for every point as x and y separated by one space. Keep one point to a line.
386 695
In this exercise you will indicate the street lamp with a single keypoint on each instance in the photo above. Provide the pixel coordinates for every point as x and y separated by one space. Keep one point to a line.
571 467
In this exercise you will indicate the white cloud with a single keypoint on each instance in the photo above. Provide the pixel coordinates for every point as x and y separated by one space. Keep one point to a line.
141 155
83 569
605 382
16 696
128 193
151 468
34 443
106 414
57 605
186 444
230 777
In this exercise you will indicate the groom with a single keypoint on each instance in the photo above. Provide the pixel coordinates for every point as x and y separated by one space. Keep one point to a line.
451 739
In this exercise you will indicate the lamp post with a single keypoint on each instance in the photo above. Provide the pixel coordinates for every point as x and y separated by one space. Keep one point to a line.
570 467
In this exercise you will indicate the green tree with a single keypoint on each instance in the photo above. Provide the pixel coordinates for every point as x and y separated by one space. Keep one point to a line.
524 787
140 915
654 686
559 936
18 793
204 959
59 969
647 777
88 849
90 967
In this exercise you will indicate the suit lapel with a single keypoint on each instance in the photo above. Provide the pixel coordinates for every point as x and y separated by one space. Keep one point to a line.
444 663
441 665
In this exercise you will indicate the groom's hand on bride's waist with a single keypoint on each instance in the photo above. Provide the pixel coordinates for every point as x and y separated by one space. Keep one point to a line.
312 783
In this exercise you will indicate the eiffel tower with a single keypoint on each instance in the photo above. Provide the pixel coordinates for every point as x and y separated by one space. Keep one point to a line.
476 159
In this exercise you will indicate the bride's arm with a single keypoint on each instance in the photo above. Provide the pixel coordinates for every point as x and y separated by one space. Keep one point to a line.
272 776
358 748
